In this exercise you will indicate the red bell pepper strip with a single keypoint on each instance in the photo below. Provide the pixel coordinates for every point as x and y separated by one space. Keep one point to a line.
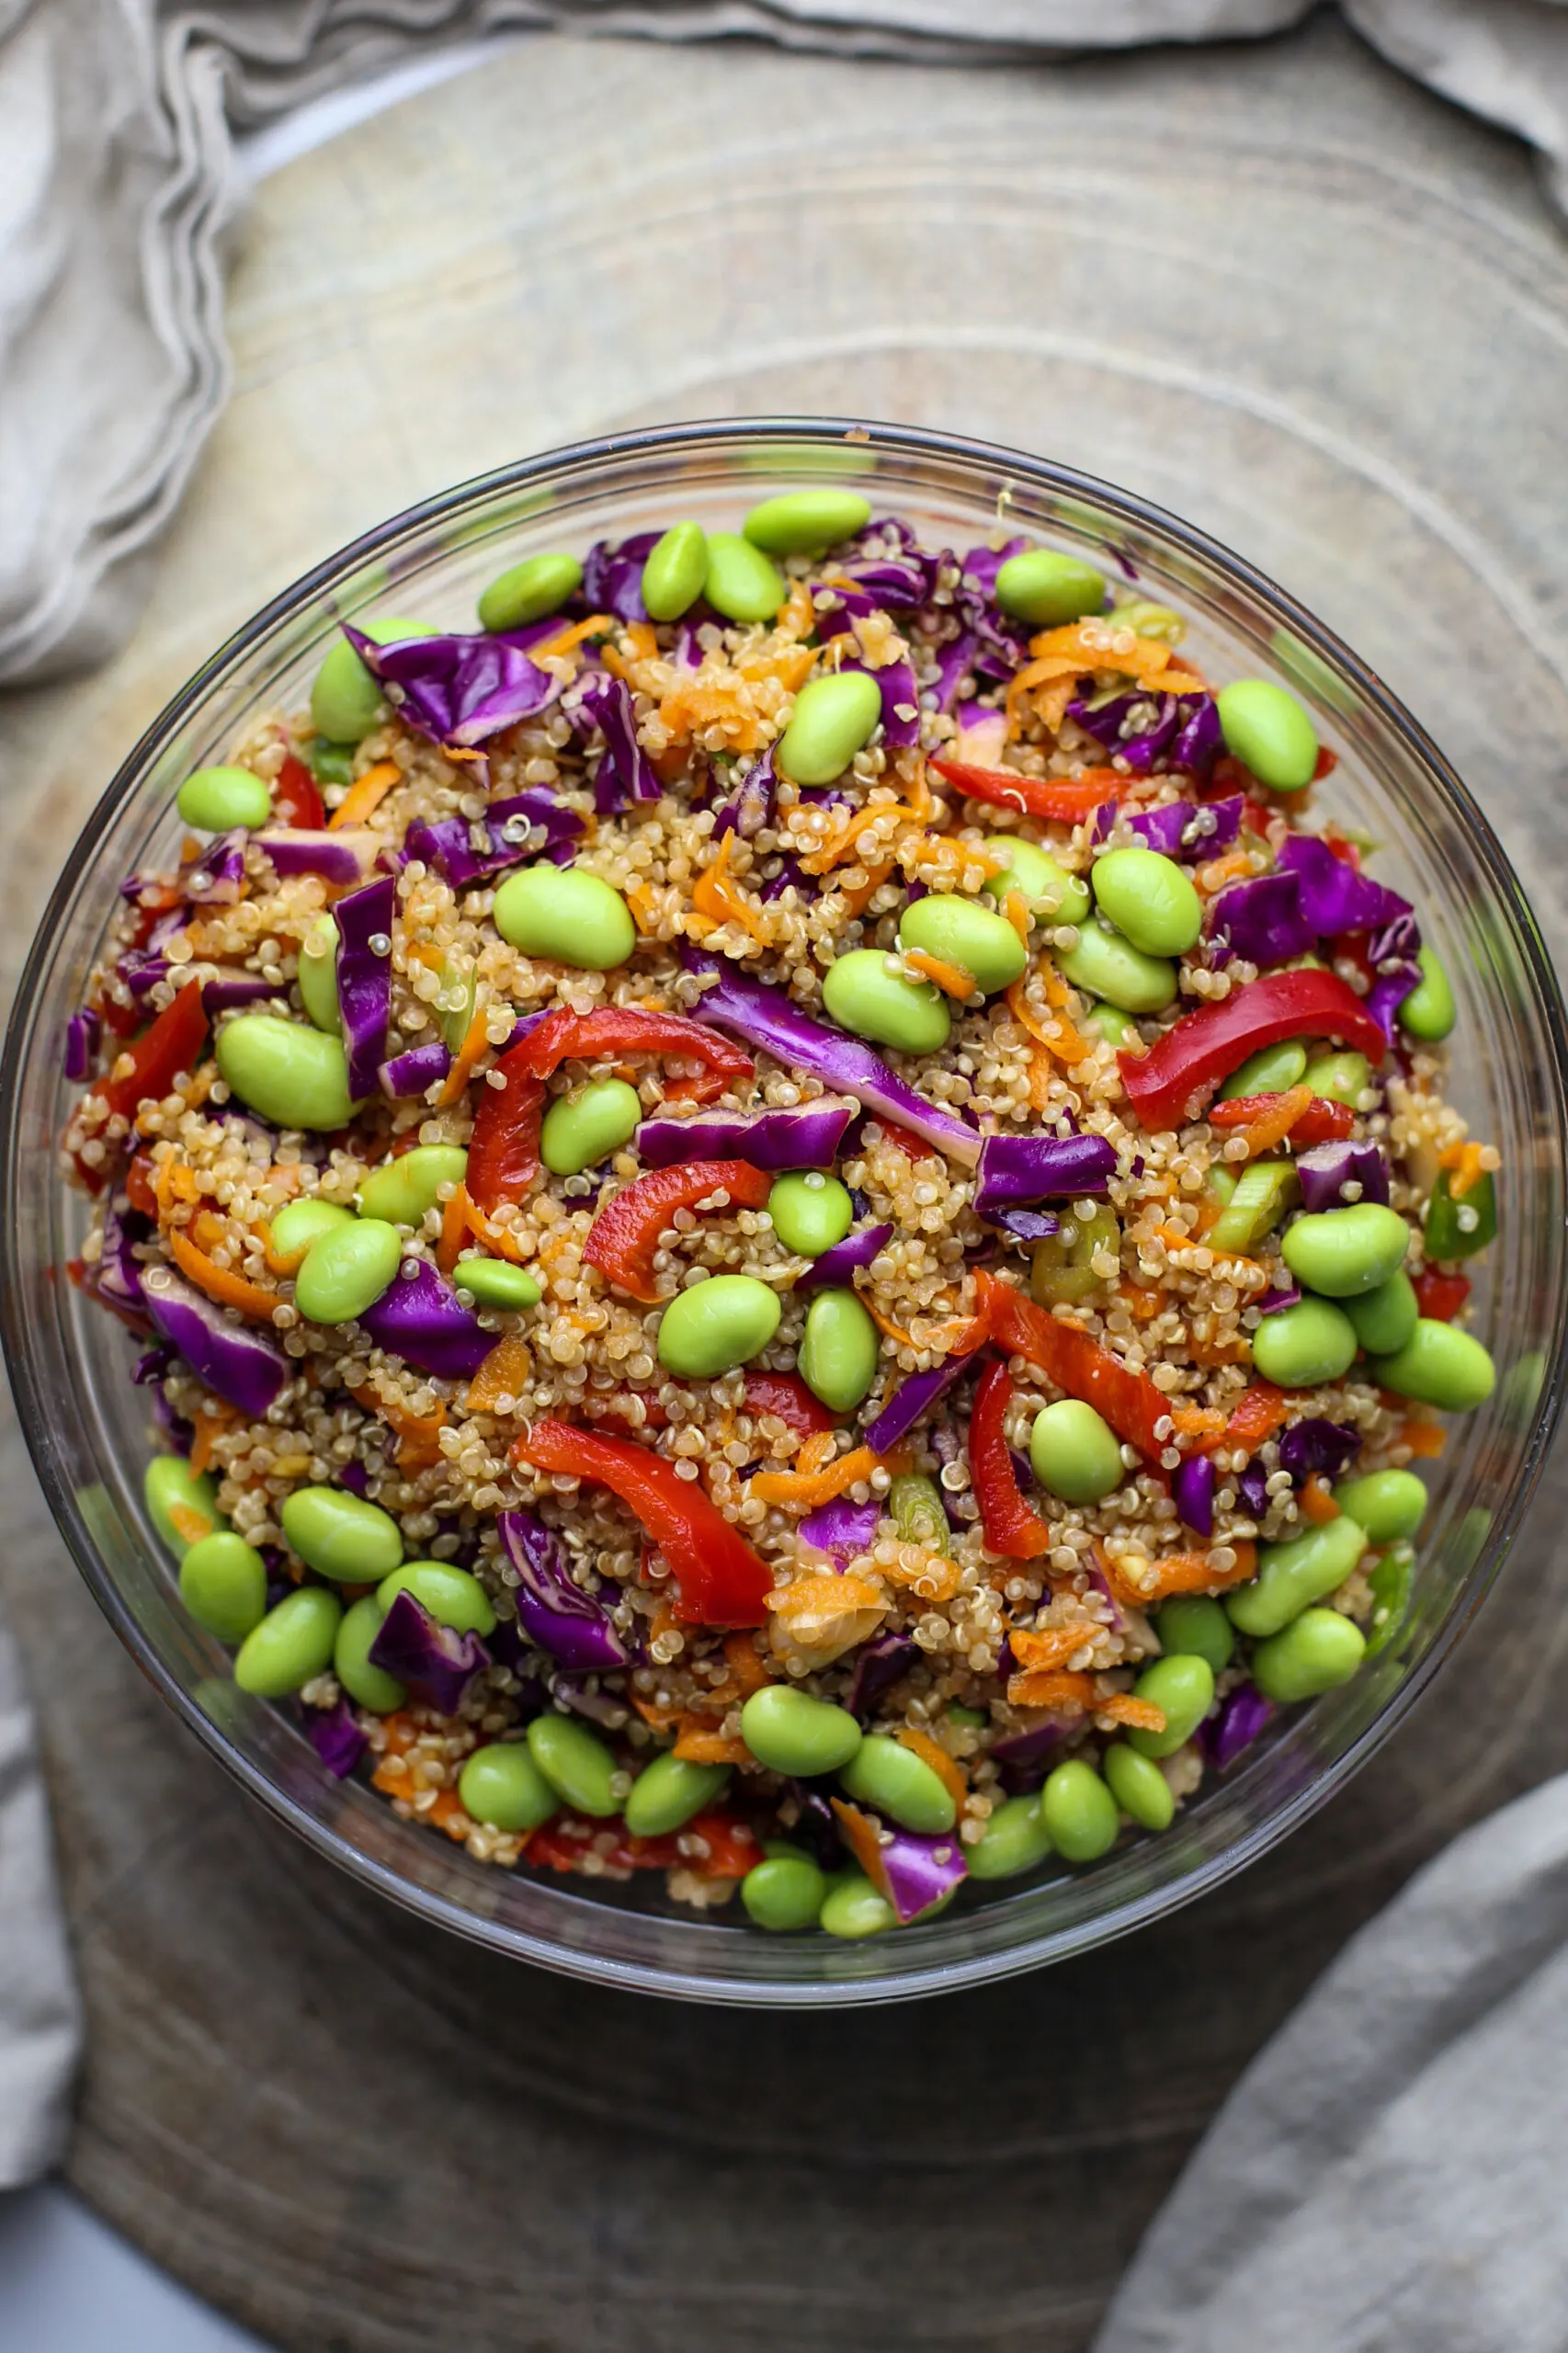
296 797
173 1044
720 1581
623 1237
1164 1086
1322 1121
1440 1297
1062 801
912 1147
1008 1525
503 1152
1066 1355
786 1397
564 1847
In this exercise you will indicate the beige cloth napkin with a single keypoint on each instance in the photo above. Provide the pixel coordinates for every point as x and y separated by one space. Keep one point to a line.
39 2015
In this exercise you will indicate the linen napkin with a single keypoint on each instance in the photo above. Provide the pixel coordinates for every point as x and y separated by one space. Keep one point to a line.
39 2013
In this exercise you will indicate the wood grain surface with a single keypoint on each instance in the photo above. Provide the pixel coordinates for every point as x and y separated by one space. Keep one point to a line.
1277 290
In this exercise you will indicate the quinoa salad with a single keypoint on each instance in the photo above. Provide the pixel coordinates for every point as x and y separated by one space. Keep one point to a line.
789 1216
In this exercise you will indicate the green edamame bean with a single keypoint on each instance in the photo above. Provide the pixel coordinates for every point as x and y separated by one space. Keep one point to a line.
1270 732
345 1270
792 1733
741 583
853 1908
1105 964
1269 1072
804 522
716 1326
833 718
453 1596
1317 1653
1112 1023
1292 1575
370 1687
292 1643
865 992
501 1785
577 1766
492 1282
539 586
1343 1253
1439 1365
1194 1625
1149 899
584 1127
341 1535
914 1503
1385 1318
1079 1813
1428 1011
1456 1228
669 1791
675 572
299 1223
1048 590
401 1190
810 1211
839 1348
346 700
213 800
330 763
1183 1685
1390 1582
1139 1787
1301 1346
1074 1452
884 1774
222 1583
1015 1839
784 1892
1342 1077
318 976
567 914
1147 620
295 1076
1259 1200
181 1503
1047 889
982 944
1388 1504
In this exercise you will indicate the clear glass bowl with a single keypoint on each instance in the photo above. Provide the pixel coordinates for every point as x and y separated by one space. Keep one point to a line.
87 1427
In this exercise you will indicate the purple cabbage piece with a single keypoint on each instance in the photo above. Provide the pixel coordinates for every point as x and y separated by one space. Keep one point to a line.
1263 920
446 844
578 1692
1328 1448
841 1529
917 1871
1334 897
337 1738
1107 722
117 1279
236 1361
355 1478
1193 1489
791 871
1188 831
912 1401
458 689
625 773
151 1364
1199 739
552 1609
1235 1725
1253 1488
1024 1758
419 1318
1016 1171
412 1073
1162 829
341 858
141 970
1327 1168
240 988
1392 955
817 1826
219 874
437 1663
835 1267
364 918
878 1665
981 566
895 683
955 663
808 1137
754 805
84 1034
1023 1470
181 1433
1025 1225
612 575
1101 1583
1274 1299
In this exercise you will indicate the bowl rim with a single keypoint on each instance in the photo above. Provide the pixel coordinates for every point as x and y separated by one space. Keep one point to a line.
558 465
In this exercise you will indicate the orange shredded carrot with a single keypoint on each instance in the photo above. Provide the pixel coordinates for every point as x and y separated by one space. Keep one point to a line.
476 1038
816 1450
1197 1421
1142 1715
701 1743
1317 1504
860 1837
1277 1124
809 1488
1079 646
947 1769
747 1672
663 1718
639 899
228 1289
1053 1687
1060 1039
857 900
718 897
505 1372
567 640
943 849
1181 1573
1463 1162
419 1447
799 617
448 1814
644 644
1015 907
1218 871
1051 1646
209 1427
1425 1439
1143 1305
495 1238
1175 1238
454 1229
1258 1414
951 979
365 795
188 1522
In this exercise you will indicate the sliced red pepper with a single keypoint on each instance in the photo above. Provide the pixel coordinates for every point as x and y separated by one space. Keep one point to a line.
732 1846
623 1237
296 797
173 1044
563 1848
1009 1526
1164 1086
1066 1355
720 1581
139 1185
1440 1297
912 1147
787 1398
1062 800
1322 1122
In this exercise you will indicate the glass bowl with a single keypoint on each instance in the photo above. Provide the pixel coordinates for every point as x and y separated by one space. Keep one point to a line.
85 1424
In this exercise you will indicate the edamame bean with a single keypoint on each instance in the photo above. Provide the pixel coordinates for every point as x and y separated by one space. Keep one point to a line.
914 1503
1015 1839
576 1765
1291 1576
1301 1346
1387 1504
567 914
1183 1685
675 572
959 932
865 992
331 763
1428 1011
839 1348
299 1223
1343 1253
1456 1226
1317 1653
810 1211
1149 899
1139 1787
370 1687
539 586
346 700
1147 620
292 1643
1047 889
792 1733
833 718
716 1326
884 1774
401 1190
453 1596
1269 1072
785 1891
1385 1318
1112 1023
1079 1813
1105 964
295 1076
213 800
318 975
1258 1201
742 584
1339 1078
1048 590
181 1503
492 1282
804 522
853 1908
347 1269
1270 732
1074 1452
1391 1582
501 1785
669 1791
584 1127
1194 1625
222 1583
1439 1365
341 1535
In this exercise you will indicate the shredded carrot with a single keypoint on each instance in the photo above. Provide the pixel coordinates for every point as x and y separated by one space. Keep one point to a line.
567 640
1123 1708
1079 646
857 900
476 1038
1463 1162
1143 1305
799 617
1218 871
701 1743
228 1289
1317 1504
1425 1439
1058 1037
495 1238
1180 1573
505 1373
747 1672
188 1522
1053 1687
951 979
644 644
639 899
210 1426
365 795
1175 1238
419 1447
663 1718
946 1769
812 1487
1256 1416
944 849
454 1229
448 1814
1197 1421
860 1837
817 1450
716 896
1014 906
1053 1646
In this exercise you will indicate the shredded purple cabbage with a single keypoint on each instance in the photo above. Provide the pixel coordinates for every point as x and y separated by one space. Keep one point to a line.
878 1664
1275 1298
1192 1486
612 575
1327 1168
808 1137
446 844
437 1663
420 1318
1253 1488
341 858
625 773
412 1073
1334 897
1016 1171
1235 1725
754 804
841 1529
217 876
552 1608
835 1267
917 1870
364 919
237 1361
84 1035
458 689
1024 1758
1328 1448
1263 920
1392 955
337 1738
1024 1225
913 1400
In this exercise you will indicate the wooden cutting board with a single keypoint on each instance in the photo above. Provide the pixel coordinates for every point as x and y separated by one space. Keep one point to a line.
1280 291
